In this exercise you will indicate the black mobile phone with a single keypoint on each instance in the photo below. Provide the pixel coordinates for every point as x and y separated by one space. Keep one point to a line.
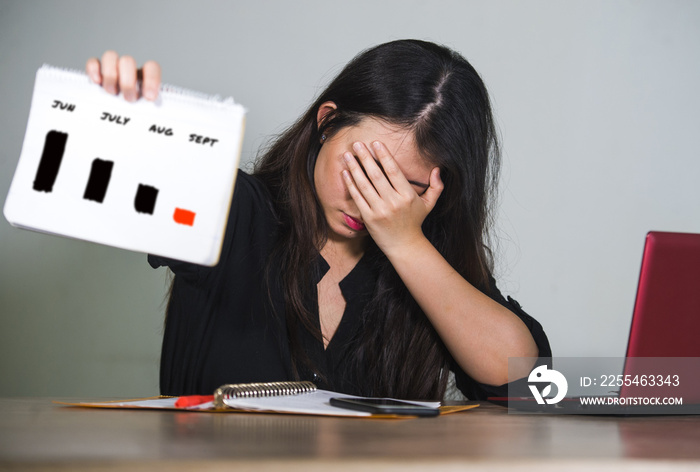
387 406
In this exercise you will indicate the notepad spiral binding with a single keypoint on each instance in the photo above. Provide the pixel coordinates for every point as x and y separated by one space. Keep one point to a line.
260 389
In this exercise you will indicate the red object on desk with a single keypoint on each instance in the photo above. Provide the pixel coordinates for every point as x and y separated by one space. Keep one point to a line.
193 400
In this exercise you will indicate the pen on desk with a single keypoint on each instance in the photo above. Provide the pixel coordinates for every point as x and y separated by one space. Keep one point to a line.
193 400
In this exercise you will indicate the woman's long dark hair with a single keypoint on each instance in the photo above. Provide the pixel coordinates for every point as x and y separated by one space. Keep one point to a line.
434 92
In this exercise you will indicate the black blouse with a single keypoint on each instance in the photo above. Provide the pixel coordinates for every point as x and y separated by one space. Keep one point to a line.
226 324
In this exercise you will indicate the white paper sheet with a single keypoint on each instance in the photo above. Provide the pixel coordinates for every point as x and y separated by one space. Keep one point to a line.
154 177
315 403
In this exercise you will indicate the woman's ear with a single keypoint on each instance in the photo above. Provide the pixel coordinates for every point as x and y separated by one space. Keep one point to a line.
324 110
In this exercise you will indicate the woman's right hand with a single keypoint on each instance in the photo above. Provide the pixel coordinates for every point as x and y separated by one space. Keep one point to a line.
119 74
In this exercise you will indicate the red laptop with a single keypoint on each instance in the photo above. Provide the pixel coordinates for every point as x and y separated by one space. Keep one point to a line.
666 319
663 351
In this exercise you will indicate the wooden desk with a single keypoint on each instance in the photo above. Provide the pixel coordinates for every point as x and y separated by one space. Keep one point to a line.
38 435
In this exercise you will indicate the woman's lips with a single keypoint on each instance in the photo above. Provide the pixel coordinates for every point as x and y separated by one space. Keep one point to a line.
354 223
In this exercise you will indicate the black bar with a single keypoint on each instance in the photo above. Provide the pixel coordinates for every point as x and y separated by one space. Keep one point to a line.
54 145
100 173
145 201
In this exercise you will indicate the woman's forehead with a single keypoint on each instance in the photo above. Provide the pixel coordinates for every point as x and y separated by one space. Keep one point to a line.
399 140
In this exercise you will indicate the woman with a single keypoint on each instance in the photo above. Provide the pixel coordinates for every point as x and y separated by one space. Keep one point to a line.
355 255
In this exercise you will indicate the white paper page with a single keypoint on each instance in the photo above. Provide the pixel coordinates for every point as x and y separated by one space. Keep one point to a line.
315 403
154 177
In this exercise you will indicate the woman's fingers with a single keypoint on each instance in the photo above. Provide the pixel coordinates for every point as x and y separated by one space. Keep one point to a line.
128 83
355 193
368 169
119 74
92 67
361 179
391 169
430 197
110 72
151 80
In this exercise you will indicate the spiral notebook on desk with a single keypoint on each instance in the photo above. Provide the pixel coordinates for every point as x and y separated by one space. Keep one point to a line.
273 397
154 177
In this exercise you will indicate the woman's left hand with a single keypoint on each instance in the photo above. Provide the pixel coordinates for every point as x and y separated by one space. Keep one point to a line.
391 209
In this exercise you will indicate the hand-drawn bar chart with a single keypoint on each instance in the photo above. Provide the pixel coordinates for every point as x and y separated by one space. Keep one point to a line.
154 177
98 182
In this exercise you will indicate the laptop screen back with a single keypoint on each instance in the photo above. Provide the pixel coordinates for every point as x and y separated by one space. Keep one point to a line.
666 318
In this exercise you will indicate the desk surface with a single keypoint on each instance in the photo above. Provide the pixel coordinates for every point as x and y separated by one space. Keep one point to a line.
38 435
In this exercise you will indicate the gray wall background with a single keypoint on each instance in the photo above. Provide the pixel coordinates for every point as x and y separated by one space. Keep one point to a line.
597 103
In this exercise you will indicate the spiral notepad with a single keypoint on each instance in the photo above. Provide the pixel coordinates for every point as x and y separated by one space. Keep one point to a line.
224 395
154 177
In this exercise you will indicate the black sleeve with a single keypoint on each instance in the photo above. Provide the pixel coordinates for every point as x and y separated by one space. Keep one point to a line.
478 391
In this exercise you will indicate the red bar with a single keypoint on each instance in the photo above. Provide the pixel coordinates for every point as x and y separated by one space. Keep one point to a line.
184 217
